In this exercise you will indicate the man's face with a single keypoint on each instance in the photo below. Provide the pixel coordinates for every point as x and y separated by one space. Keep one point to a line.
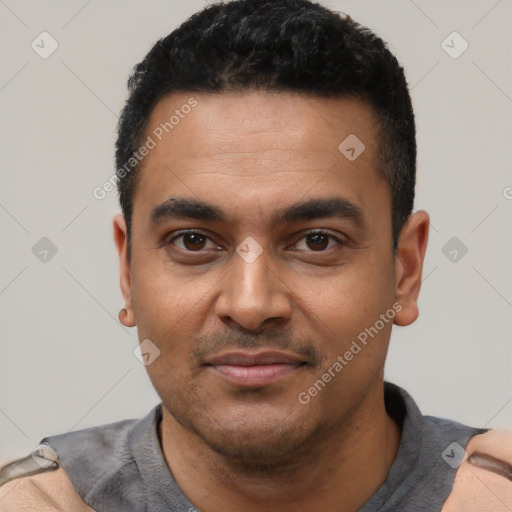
242 333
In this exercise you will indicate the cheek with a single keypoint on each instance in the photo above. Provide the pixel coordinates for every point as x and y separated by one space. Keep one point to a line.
166 311
341 306
167 302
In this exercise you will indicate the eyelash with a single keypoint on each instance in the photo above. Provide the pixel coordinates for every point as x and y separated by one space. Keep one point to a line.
180 234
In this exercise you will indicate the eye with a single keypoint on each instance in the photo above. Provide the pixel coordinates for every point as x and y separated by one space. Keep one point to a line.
317 241
192 241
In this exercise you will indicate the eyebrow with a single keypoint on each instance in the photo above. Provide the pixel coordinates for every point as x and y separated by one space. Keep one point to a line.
185 208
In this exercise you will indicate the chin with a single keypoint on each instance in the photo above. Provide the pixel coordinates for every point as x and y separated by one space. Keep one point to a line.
257 447
251 437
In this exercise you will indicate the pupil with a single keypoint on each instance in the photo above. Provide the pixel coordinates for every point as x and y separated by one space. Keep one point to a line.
319 241
192 241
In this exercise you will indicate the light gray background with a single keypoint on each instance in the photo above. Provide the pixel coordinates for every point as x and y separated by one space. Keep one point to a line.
66 363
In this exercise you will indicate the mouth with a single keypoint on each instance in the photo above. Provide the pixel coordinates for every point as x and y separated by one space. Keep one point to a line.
247 369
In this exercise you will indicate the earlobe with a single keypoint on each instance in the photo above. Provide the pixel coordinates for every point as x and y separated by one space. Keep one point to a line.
410 253
126 315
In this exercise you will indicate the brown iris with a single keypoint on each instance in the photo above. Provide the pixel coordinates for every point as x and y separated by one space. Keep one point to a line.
319 240
193 241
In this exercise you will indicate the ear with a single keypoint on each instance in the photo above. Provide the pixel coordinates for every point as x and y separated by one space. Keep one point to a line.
410 253
121 241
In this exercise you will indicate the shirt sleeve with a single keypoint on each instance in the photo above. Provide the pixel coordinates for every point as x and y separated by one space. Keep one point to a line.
41 460
37 483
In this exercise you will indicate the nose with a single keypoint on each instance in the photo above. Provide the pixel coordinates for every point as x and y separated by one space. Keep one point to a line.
252 294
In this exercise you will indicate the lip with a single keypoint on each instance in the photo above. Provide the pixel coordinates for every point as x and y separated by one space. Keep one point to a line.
247 369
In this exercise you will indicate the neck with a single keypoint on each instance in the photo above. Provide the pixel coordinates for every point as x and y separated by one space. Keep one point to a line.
345 467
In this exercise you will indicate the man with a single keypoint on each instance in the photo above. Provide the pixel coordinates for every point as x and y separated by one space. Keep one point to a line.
266 169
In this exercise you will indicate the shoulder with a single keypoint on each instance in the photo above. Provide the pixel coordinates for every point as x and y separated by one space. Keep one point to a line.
484 478
83 466
47 491
51 477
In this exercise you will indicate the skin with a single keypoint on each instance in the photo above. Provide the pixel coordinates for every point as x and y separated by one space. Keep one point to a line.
234 448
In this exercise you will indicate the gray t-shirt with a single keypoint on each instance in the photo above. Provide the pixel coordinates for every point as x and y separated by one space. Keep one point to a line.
120 467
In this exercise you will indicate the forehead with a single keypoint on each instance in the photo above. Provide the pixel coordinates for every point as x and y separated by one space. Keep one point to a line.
252 120
259 146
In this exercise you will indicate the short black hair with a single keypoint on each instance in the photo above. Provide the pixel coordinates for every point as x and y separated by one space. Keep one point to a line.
276 45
